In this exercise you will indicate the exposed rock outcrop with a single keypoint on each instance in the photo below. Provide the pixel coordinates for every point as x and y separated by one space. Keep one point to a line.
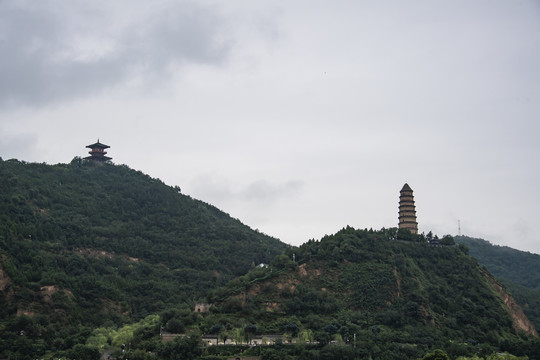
520 322
6 288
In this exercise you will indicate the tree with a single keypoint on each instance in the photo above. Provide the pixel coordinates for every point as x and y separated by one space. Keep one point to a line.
306 336
322 337
292 329
181 348
281 261
331 329
237 335
463 248
215 329
448 240
405 234
249 331
223 335
83 352
436 355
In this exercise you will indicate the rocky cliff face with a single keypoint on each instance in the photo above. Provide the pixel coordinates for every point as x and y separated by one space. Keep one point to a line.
5 281
520 321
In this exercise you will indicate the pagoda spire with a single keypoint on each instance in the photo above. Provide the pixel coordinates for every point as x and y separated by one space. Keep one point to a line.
407 210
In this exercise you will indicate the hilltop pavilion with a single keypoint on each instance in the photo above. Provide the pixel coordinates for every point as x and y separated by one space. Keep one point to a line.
97 152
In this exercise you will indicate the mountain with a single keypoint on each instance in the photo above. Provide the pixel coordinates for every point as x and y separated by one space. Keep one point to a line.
96 256
519 271
84 244
398 299
520 267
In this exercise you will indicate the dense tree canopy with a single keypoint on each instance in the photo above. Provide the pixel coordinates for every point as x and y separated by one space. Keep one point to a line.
518 270
378 290
83 244
102 258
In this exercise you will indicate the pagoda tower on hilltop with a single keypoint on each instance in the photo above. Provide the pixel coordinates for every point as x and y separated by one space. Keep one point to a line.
407 210
97 152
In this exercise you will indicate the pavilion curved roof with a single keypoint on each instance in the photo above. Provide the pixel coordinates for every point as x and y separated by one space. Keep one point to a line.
98 145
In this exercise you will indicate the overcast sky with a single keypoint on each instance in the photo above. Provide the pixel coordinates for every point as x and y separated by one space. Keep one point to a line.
296 117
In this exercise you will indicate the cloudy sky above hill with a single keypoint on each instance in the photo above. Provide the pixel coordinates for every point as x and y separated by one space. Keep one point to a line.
297 117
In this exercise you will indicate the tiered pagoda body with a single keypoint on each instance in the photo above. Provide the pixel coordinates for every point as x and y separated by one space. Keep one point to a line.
97 152
407 210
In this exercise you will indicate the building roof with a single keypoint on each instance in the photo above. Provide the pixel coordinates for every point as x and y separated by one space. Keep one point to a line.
406 187
98 158
98 145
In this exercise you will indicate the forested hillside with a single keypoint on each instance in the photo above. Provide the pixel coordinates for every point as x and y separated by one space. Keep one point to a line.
93 257
82 245
518 270
398 299
504 262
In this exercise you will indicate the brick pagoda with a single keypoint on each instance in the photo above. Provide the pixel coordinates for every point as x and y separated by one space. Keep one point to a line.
407 210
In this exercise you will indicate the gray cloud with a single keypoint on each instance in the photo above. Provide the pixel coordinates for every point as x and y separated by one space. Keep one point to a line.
262 190
259 191
48 57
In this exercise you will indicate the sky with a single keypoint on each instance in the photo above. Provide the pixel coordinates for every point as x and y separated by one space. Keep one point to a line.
296 117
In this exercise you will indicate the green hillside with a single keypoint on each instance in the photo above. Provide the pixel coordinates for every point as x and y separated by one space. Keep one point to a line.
518 270
520 267
398 299
83 245
93 257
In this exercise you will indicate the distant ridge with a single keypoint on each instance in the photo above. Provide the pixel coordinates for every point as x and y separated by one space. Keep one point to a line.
519 271
518 266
